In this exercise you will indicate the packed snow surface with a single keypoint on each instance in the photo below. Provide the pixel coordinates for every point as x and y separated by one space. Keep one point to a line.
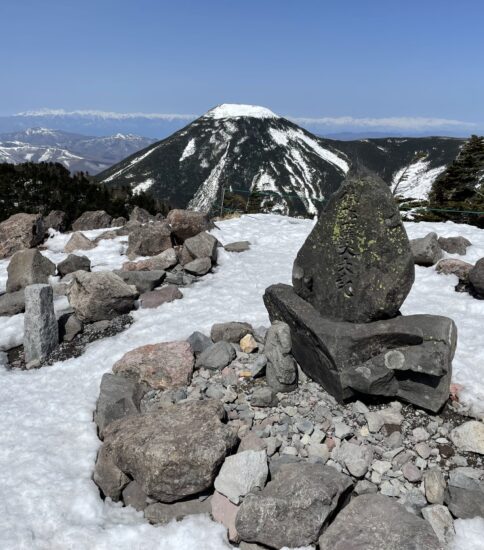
48 500
415 180
233 110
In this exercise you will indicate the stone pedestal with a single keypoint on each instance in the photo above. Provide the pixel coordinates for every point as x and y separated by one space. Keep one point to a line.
41 334
407 357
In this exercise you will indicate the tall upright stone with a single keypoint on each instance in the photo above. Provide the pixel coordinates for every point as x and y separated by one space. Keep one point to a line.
356 265
41 334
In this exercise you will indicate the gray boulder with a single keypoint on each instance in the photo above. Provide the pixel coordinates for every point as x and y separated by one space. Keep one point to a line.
140 215
78 241
41 334
144 281
476 278
239 246
188 223
377 522
202 245
263 397
356 265
73 263
118 222
230 332
356 458
465 493
454 245
281 368
161 514
164 295
12 303
56 219
441 522
216 357
96 219
69 327
172 454
407 357
133 495
20 231
200 266
28 267
294 507
118 397
100 295
426 250
199 342
149 239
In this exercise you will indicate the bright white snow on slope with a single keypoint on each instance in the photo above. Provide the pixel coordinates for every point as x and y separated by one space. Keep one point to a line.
417 179
143 186
189 150
469 534
48 500
284 137
130 165
232 110
206 194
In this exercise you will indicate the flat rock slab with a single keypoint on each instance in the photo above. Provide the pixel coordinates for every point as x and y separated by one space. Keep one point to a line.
172 454
239 246
161 514
469 436
155 298
409 357
144 281
241 473
377 522
160 262
162 366
232 331
293 508
356 265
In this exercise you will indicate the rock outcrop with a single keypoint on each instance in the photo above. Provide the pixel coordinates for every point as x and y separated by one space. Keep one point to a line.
20 231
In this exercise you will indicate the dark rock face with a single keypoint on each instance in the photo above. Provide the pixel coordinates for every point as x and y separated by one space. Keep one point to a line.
118 397
293 508
377 522
356 265
56 219
73 263
20 231
465 493
172 454
476 278
144 281
95 219
406 357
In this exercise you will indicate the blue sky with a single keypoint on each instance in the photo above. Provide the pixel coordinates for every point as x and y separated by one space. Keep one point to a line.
366 59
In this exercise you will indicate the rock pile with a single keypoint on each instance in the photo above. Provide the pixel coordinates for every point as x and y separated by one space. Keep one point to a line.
300 456
349 280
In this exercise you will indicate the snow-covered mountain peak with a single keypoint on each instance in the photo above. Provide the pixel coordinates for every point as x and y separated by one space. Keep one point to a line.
236 110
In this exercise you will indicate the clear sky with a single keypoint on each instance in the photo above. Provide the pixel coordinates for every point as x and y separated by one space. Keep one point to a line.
354 58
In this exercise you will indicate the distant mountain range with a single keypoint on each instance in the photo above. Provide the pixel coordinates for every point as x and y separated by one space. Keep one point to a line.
76 152
248 150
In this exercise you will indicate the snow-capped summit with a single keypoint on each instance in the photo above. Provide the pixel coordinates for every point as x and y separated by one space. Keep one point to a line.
235 110
254 155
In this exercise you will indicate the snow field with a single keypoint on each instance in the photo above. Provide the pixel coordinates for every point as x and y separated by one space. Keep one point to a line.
48 500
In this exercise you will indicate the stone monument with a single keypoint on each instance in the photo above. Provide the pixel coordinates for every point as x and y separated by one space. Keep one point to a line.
350 279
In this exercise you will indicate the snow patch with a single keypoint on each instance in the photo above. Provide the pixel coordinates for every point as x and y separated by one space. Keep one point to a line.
189 150
234 110
206 194
415 180
132 163
143 186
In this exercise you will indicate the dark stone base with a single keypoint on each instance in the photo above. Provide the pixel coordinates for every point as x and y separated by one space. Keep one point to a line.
408 357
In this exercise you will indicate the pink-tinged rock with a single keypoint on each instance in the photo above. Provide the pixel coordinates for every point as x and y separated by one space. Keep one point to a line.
155 298
162 366
162 261
453 266
225 512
